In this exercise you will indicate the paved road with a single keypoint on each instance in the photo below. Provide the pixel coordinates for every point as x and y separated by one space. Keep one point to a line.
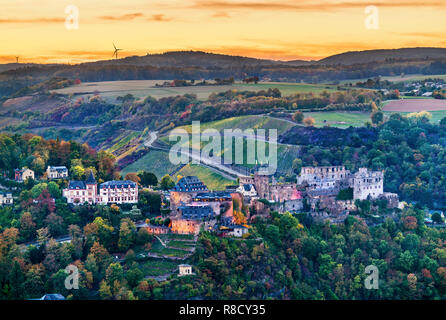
61 239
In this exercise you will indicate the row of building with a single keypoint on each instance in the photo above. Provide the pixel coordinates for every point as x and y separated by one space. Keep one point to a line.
116 191
58 172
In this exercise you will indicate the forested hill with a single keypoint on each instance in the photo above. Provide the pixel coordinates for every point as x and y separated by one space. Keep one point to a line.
200 65
188 59
357 57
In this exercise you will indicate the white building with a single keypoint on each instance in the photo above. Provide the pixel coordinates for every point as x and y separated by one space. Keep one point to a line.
184 270
330 180
239 231
6 199
79 192
247 190
57 172
118 192
368 184
323 178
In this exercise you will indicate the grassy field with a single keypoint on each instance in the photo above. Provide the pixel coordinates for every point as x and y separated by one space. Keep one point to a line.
210 178
158 248
110 90
339 119
158 267
436 115
155 161
245 122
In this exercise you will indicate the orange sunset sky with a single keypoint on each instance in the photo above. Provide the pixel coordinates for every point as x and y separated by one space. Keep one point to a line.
276 29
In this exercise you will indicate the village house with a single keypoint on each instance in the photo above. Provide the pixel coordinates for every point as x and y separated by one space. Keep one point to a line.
6 199
79 192
59 172
238 231
185 270
20 175
247 190
118 192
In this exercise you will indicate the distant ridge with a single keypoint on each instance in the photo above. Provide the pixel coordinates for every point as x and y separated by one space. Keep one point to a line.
215 60
188 59
358 57
203 65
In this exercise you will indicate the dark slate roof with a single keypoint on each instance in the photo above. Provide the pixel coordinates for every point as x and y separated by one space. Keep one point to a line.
91 179
190 184
118 184
59 168
76 185
247 187
213 195
196 212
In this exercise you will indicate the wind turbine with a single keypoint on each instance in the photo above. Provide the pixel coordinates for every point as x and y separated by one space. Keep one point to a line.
115 54
16 59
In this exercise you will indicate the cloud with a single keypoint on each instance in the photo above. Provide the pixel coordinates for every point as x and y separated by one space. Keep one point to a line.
305 5
221 15
124 17
34 20
159 18
435 35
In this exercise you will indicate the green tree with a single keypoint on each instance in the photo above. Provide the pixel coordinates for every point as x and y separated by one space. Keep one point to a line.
148 178
167 182
54 190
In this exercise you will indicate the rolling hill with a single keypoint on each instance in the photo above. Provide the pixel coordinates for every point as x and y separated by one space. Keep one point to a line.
359 57
201 65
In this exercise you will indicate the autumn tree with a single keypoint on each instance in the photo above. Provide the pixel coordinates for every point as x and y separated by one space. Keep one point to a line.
27 226
309 121
132 176
298 117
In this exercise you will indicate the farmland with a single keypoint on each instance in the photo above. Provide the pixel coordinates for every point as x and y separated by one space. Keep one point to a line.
339 119
246 122
415 105
110 90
